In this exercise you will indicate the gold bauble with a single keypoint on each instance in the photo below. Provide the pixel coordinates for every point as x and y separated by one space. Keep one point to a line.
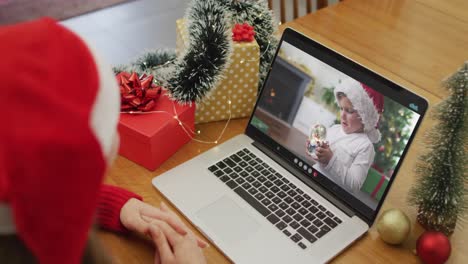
394 226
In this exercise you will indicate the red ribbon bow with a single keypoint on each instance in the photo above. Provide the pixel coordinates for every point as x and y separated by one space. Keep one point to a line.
137 93
243 32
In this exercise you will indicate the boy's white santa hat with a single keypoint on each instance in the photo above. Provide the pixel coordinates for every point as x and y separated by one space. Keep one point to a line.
366 101
60 108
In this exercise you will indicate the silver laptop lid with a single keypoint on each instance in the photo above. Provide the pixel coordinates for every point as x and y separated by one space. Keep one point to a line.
342 125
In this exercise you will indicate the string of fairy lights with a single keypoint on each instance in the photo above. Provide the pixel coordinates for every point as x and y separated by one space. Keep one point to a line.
186 128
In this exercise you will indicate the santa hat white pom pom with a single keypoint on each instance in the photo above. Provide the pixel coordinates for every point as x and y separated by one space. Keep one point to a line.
367 102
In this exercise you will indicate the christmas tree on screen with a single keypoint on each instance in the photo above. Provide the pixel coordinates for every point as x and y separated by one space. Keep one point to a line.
393 126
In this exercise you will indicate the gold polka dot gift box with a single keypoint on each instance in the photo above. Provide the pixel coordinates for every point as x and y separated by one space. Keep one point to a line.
239 85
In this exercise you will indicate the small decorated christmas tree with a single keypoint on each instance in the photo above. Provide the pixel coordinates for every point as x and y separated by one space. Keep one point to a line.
440 193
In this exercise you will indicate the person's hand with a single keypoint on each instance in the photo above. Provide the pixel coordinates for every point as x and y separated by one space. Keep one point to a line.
307 148
174 248
136 216
324 153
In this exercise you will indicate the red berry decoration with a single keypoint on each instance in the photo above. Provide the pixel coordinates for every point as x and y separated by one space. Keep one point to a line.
433 247
243 32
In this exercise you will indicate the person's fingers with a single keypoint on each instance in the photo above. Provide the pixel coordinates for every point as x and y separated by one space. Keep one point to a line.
318 151
179 227
201 243
172 236
137 224
164 207
319 156
163 248
155 213
174 217
157 256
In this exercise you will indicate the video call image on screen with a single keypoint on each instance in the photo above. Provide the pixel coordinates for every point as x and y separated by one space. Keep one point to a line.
344 129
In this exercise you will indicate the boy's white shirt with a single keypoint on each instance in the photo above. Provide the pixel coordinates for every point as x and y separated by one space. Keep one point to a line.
352 157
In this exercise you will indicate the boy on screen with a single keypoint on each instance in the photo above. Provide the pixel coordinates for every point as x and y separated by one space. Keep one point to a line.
348 151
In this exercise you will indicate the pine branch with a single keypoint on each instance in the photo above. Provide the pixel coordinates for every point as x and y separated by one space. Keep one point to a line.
257 14
153 59
192 75
148 62
207 55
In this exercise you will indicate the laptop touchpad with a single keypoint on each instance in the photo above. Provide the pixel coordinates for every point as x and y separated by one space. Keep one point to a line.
228 221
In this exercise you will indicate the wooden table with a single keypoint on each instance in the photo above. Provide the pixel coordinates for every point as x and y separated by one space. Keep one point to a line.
415 43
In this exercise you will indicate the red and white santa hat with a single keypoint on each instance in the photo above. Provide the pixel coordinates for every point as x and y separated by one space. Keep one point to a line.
60 108
367 102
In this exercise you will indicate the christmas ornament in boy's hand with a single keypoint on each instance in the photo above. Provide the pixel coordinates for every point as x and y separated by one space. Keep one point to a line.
317 136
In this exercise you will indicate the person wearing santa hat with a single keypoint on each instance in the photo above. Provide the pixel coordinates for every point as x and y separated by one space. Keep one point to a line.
348 153
61 105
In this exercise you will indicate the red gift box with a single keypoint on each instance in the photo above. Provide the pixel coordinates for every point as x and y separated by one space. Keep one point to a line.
151 138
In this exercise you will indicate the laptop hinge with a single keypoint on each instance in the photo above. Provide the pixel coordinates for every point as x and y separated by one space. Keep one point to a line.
316 187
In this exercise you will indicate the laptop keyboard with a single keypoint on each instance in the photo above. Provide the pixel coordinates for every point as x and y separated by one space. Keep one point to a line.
296 214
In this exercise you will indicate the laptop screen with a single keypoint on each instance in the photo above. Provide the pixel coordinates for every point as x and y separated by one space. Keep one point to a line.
340 124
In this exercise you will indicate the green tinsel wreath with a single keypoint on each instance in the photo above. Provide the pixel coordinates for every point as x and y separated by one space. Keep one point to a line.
191 76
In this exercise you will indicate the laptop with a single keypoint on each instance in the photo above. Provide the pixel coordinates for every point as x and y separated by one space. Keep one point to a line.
273 194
